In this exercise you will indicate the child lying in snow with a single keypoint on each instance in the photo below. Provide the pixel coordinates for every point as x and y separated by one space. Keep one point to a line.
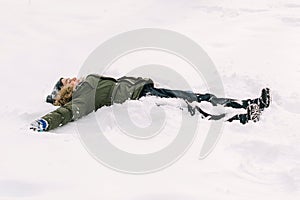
78 98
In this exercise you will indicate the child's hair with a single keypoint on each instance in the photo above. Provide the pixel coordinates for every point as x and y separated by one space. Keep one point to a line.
64 95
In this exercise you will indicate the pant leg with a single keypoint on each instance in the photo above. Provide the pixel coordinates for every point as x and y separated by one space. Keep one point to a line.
190 97
243 118
227 102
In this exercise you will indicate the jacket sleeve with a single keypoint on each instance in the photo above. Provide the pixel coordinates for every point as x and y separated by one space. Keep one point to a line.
59 117
82 104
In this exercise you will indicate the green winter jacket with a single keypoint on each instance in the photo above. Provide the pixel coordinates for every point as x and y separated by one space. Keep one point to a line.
93 93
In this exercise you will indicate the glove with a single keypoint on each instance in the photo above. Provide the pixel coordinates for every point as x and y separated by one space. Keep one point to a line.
39 125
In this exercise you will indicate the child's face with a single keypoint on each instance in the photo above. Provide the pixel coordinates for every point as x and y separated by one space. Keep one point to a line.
70 81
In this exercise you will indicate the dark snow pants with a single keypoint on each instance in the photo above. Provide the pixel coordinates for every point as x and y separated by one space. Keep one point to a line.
190 97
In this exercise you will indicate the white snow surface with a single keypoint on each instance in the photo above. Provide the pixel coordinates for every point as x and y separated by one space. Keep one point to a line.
253 43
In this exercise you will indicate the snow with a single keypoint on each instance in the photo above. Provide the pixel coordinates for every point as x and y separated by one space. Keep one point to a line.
253 44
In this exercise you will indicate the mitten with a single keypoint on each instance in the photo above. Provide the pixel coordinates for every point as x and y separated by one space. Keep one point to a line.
39 125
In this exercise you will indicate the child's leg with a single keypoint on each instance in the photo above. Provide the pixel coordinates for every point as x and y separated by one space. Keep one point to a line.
253 113
263 101
240 117
227 102
190 97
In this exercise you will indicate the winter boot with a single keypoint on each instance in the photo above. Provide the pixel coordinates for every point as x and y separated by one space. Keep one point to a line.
265 98
253 112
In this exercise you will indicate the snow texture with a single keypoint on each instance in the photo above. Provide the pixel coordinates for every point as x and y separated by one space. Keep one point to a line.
253 43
